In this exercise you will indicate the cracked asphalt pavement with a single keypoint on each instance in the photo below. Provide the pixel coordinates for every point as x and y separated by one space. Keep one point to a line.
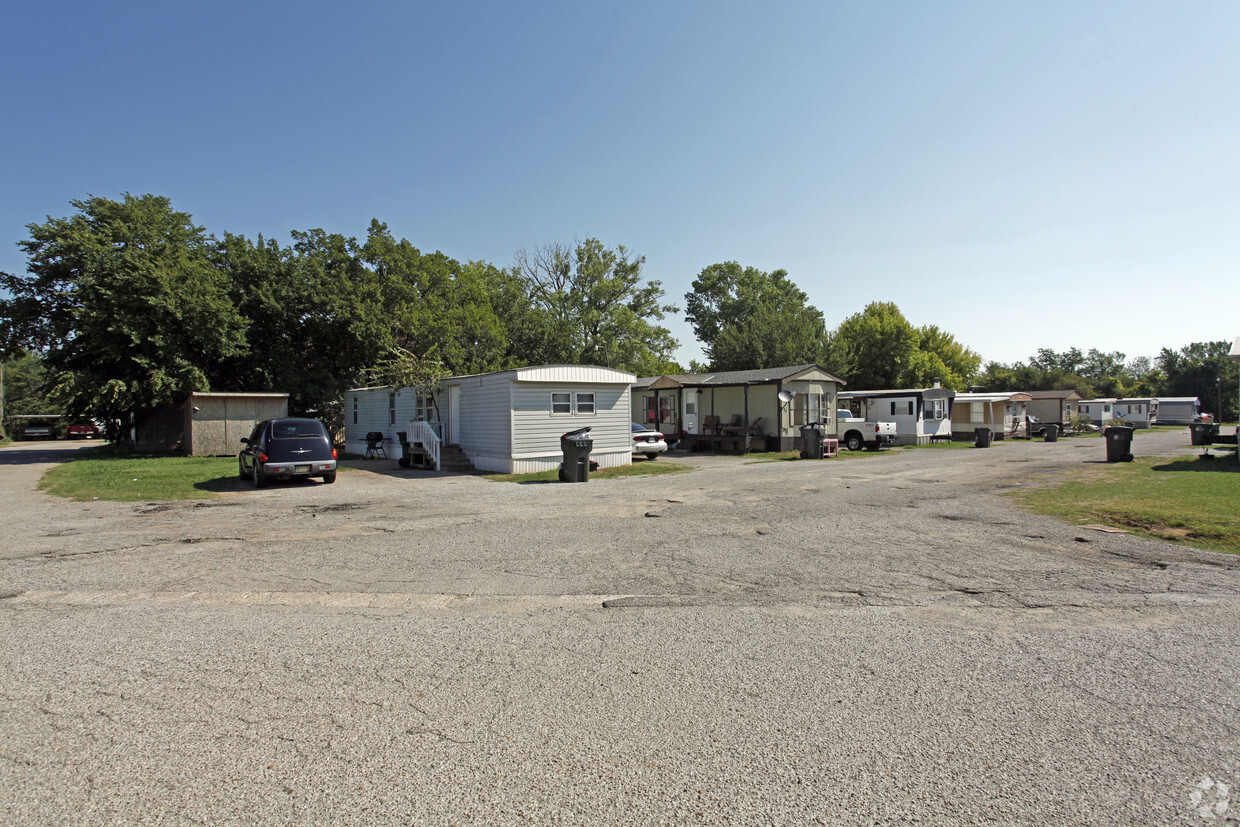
871 641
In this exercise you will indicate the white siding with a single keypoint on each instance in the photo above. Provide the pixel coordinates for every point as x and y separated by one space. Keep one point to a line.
589 374
373 414
536 430
486 434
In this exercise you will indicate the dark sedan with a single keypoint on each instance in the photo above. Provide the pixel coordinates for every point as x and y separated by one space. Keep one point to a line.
285 448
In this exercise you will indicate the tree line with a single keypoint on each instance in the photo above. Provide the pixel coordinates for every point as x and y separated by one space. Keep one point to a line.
127 305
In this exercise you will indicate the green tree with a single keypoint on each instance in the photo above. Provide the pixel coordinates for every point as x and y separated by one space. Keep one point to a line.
25 389
124 304
433 303
880 346
590 305
749 319
942 358
316 317
1203 370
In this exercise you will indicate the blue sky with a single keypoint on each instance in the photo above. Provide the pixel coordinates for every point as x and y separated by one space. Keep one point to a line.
1048 174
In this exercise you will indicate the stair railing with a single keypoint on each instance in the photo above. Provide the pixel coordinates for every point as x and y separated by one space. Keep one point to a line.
424 432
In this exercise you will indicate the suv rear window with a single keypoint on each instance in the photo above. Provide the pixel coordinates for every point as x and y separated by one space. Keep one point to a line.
297 429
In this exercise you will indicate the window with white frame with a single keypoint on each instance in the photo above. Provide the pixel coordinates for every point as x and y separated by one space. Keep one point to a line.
392 408
977 411
935 409
806 409
573 404
424 408
354 409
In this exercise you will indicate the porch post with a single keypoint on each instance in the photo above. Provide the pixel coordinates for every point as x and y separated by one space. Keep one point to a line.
745 424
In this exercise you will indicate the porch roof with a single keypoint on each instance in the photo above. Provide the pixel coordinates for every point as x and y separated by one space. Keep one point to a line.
765 376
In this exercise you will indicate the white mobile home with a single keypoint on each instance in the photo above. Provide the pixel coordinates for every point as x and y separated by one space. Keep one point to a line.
1099 411
1004 413
505 422
1139 413
1178 410
921 414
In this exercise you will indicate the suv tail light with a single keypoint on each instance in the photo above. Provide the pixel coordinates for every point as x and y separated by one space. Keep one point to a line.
262 457
333 453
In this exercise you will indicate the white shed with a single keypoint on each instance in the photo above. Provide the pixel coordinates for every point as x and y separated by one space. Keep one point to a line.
506 422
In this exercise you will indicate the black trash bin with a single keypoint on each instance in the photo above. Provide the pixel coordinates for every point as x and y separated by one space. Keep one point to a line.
981 437
1050 433
1203 433
576 446
811 441
1119 443
403 438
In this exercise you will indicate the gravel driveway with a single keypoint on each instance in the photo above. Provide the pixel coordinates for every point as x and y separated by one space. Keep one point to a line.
877 640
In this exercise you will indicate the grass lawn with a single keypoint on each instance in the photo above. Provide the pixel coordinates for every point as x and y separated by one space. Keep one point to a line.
102 475
1189 500
645 468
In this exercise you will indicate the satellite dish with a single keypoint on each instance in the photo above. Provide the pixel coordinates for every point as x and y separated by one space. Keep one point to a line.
786 396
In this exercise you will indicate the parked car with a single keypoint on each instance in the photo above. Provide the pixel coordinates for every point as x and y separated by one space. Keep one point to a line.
647 442
38 429
857 433
84 430
285 448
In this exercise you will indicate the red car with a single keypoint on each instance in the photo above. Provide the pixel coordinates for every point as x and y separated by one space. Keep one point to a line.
84 430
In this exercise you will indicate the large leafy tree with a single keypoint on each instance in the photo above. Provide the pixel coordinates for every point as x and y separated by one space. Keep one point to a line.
122 301
748 319
316 317
1201 369
880 347
434 304
590 305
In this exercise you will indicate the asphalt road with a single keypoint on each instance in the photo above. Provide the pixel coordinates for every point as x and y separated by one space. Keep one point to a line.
871 641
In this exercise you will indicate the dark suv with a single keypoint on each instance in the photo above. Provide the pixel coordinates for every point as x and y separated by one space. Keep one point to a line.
285 448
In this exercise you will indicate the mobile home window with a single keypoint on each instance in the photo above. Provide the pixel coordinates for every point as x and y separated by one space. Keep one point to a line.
975 412
392 408
424 409
902 408
585 403
354 409
561 403
649 407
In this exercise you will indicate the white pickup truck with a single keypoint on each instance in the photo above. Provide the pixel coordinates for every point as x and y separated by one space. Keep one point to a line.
857 433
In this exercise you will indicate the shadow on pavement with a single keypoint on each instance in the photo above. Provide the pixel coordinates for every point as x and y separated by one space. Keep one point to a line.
39 453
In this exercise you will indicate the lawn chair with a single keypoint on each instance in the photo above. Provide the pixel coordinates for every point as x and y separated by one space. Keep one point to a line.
374 446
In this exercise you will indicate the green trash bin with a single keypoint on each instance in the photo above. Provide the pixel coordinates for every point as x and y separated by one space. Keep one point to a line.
981 437
1050 433
811 441
576 447
1119 443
